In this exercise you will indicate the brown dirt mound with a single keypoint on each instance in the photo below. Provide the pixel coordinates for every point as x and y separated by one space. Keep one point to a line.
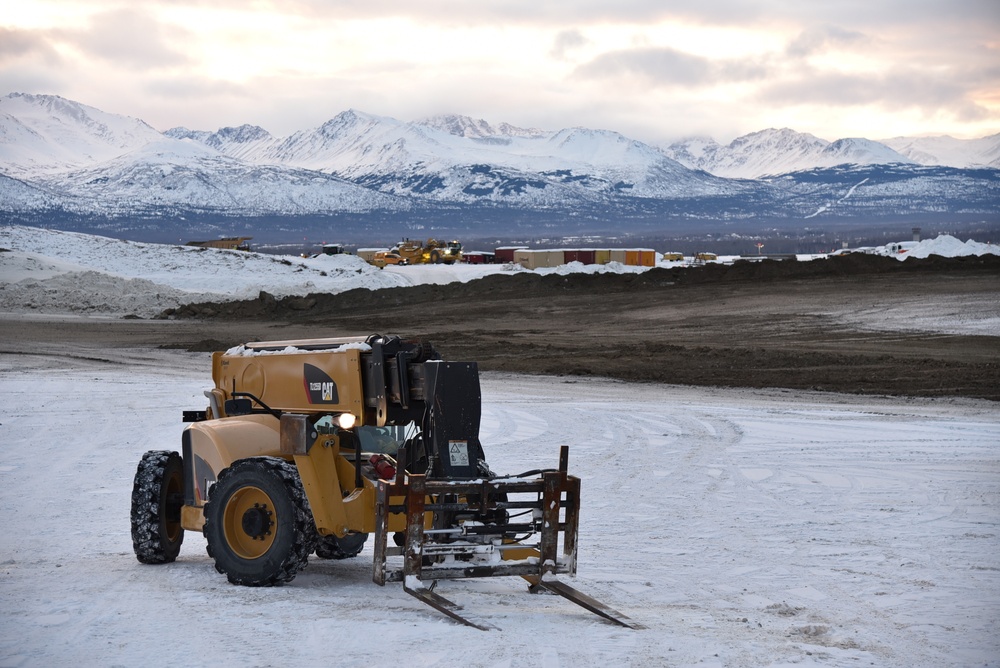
529 284
750 324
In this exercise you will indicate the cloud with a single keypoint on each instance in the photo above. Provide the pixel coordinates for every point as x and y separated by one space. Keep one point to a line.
661 66
866 15
731 64
130 38
33 80
15 43
822 37
567 40
18 44
459 12
184 89
902 88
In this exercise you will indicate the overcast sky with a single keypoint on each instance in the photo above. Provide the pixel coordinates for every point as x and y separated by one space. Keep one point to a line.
655 70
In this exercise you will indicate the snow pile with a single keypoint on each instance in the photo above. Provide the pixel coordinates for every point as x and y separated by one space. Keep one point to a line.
223 273
67 272
581 268
948 246
92 292
51 271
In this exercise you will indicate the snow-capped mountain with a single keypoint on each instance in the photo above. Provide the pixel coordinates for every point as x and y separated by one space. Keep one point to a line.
57 153
476 128
874 192
238 142
771 152
46 133
459 159
19 196
63 160
185 175
945 150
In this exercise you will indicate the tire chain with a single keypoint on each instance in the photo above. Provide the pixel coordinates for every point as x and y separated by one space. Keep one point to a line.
330 547
304 524
149 545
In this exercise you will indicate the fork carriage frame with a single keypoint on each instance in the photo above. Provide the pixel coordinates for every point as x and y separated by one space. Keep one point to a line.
556 506
555 509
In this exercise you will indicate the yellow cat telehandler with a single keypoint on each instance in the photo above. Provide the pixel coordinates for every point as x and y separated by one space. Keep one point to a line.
310 446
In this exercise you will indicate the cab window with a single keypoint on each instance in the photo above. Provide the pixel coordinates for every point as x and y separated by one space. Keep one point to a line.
386 439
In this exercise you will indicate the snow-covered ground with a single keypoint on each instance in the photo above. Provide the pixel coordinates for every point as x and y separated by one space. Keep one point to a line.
49 271
948 246
741 527
965 315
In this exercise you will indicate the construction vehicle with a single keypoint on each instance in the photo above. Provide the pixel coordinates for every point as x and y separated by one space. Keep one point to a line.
431 252
312 446
333 249
226 243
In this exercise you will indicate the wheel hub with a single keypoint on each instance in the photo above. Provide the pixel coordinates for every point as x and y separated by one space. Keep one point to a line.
257 521
249 522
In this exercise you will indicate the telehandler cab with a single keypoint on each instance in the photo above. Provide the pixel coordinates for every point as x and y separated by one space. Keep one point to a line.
310 446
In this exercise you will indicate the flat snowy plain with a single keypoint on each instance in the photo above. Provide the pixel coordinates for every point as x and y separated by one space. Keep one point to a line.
740 527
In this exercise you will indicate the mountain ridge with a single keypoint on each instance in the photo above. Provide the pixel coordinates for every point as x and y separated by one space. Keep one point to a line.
762 153
59 158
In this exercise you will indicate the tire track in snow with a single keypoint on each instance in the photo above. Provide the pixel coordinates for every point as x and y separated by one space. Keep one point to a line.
806 544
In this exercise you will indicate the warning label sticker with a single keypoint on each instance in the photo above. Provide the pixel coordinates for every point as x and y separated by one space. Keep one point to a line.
458 452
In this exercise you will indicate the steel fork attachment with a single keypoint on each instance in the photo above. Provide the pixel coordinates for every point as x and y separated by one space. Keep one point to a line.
435 550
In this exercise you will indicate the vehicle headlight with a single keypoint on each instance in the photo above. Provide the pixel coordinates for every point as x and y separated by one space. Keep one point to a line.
346 420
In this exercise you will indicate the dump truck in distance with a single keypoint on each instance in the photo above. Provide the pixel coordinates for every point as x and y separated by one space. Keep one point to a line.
431 252
316 446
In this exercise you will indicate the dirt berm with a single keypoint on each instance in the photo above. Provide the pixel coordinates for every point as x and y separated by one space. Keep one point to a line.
856 323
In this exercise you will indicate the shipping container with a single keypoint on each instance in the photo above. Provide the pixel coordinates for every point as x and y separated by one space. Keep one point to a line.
536 259
368 254
602 256
554 258
584 255
477 257
506 253
526 258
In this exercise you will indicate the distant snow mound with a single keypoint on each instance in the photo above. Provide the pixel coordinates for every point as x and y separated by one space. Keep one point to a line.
946 245
581 268
67 272
94 293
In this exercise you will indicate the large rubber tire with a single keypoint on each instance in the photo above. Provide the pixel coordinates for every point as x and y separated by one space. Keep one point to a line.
331 547
157 498
435 257
258 523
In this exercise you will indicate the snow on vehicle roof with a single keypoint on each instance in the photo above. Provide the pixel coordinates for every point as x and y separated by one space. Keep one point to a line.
300 346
